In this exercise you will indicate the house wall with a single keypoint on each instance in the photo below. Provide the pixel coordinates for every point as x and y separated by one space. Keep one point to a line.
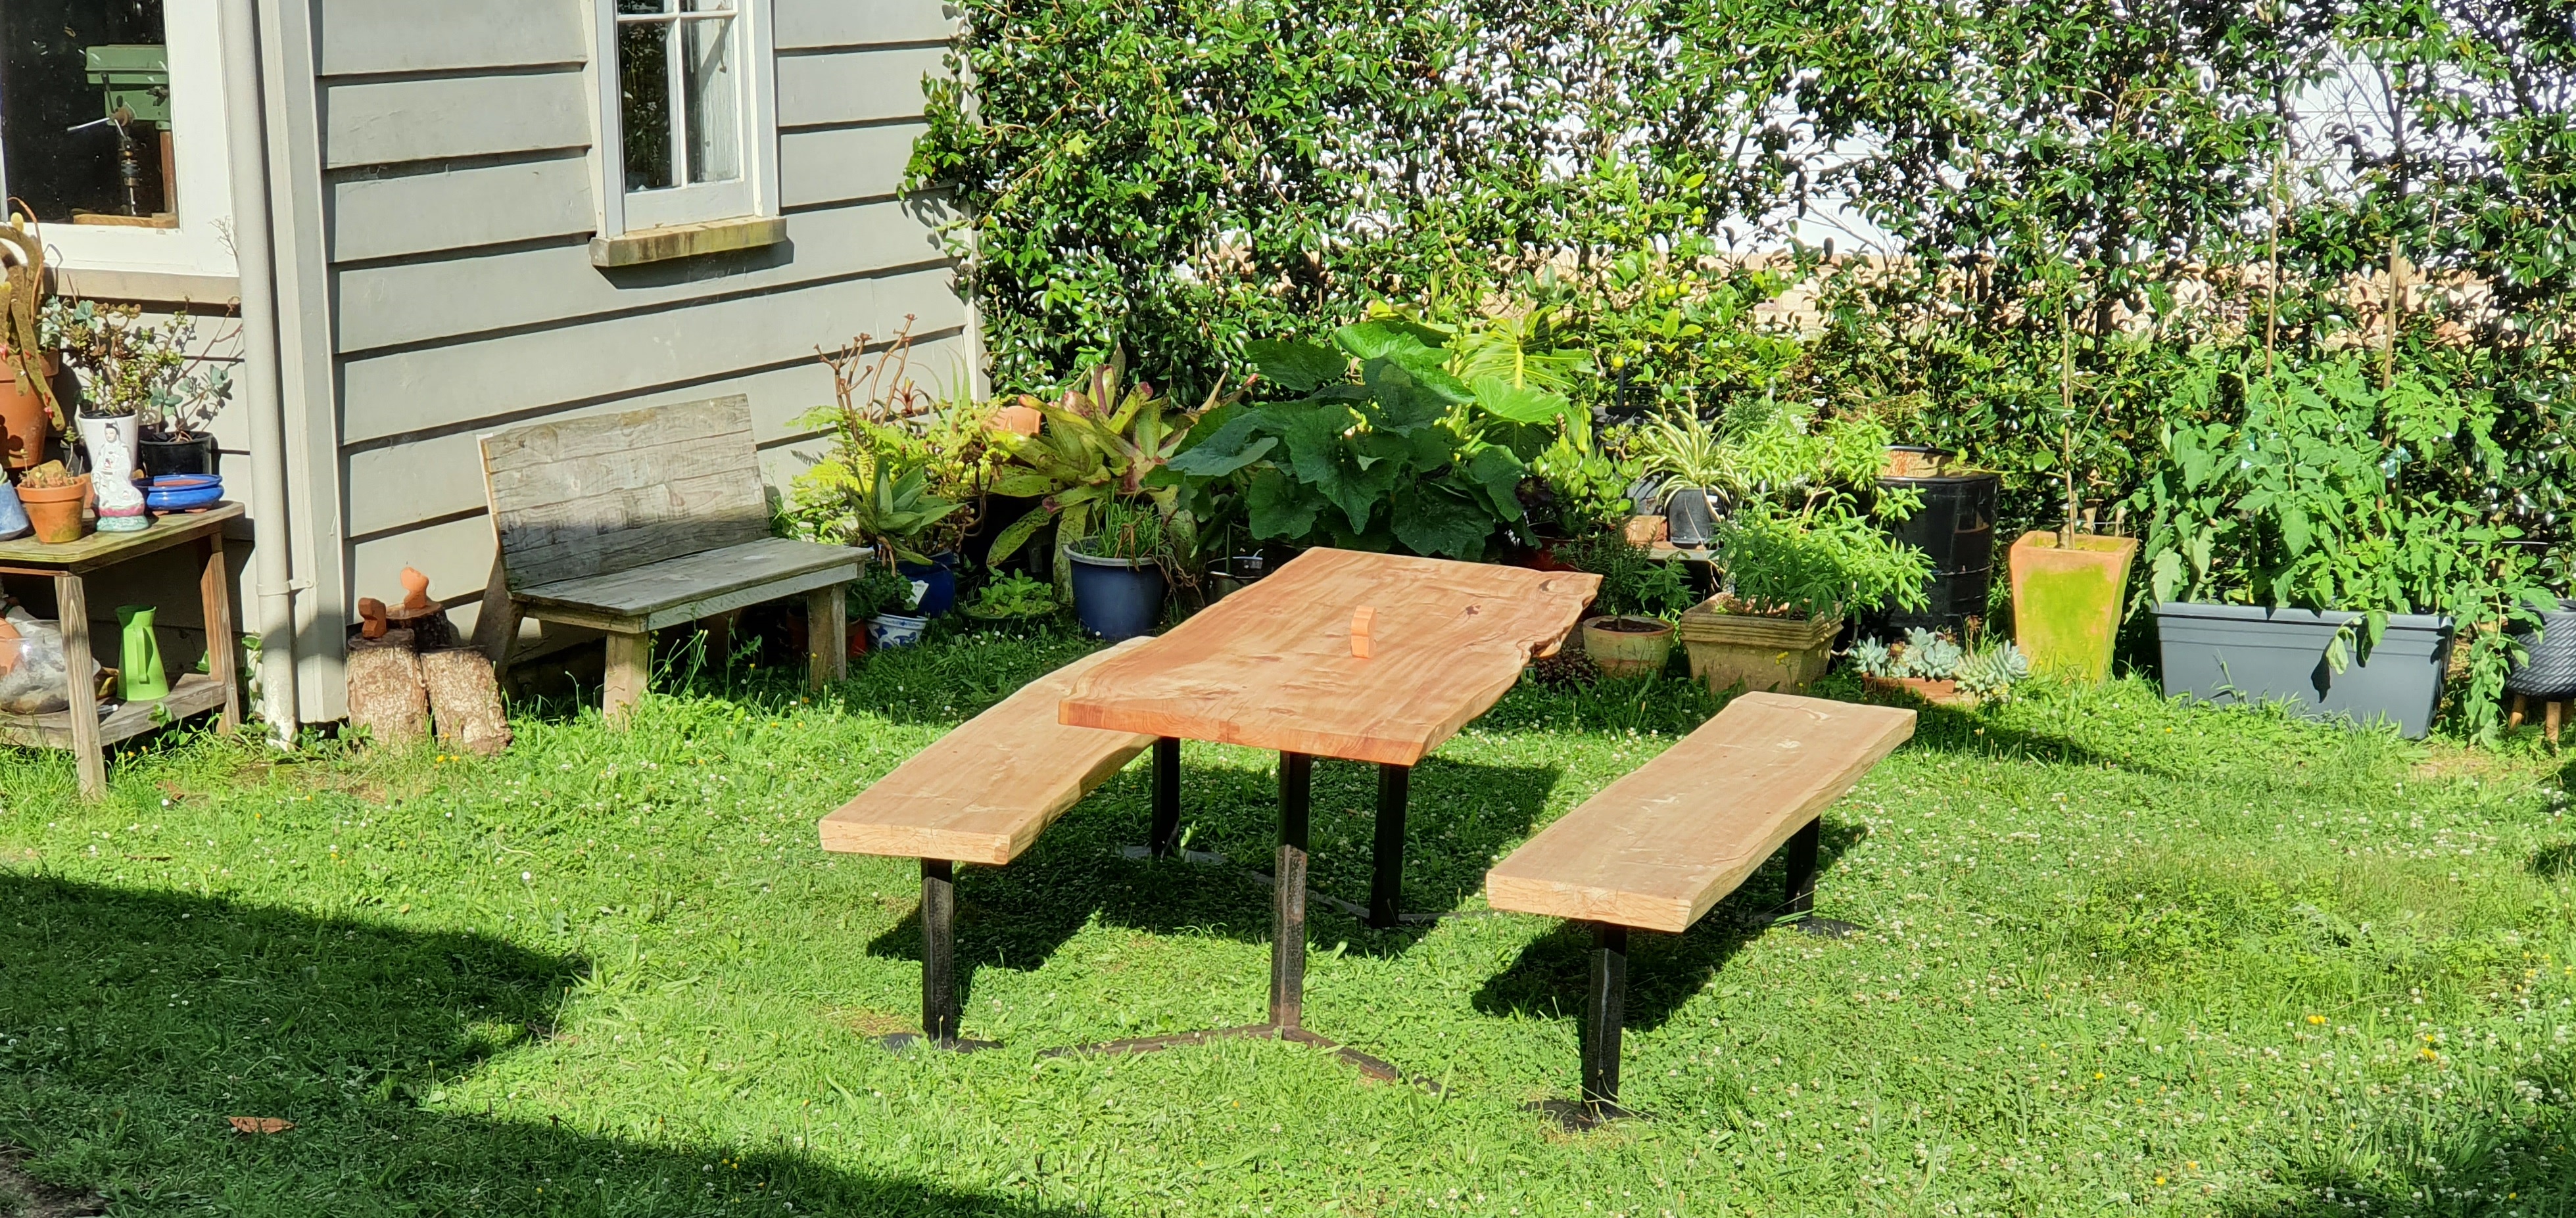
453 144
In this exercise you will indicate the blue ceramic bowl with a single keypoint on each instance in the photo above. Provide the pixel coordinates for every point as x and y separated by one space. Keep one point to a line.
183 492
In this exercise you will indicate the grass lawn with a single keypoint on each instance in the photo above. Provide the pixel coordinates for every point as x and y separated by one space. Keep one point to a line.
2119 955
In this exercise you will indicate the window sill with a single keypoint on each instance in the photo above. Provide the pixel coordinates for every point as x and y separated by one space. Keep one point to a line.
686 241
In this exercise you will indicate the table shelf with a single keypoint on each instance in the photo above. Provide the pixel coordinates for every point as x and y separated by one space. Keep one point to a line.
193 694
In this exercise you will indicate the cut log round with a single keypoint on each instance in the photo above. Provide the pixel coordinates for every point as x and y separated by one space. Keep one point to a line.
386 698
465 701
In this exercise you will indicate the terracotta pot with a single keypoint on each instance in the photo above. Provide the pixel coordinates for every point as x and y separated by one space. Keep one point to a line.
1644 530
55 511
1781 654
24 422
2067 600
1627 646
1938 693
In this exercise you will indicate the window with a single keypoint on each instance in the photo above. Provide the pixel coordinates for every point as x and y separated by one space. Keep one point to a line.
688 124
112 131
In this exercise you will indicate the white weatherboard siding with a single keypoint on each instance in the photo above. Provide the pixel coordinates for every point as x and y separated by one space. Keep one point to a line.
456 152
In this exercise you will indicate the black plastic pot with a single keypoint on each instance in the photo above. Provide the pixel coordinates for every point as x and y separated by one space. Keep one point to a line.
194 455
1687 521
1116 598
2245 653
1956 529
999 512
2549 671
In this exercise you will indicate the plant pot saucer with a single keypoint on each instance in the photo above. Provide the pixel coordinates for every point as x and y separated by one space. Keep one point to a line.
1923 689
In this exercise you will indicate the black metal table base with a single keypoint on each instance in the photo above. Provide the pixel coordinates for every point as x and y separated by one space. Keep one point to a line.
905 1042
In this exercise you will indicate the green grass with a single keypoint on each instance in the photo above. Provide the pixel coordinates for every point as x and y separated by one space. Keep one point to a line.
2120 956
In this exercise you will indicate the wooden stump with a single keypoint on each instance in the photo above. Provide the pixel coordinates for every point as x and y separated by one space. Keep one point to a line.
465 700
386 697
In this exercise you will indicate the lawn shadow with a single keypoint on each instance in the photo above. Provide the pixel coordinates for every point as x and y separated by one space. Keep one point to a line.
1460 815
1553 973
133 1023
1948 729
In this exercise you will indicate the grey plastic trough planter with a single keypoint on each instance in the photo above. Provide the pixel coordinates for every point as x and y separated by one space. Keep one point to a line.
2241 653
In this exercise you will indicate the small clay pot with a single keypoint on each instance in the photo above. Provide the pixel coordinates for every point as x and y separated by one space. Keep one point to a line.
24 421
55 511
1627 646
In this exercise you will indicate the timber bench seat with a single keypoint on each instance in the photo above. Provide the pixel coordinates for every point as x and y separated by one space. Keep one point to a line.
1660 847
629 523
981 794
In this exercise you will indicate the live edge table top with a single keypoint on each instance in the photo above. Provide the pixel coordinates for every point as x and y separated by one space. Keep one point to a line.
1271 666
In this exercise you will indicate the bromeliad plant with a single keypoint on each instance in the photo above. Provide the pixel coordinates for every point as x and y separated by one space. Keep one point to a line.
2312 488
1105 441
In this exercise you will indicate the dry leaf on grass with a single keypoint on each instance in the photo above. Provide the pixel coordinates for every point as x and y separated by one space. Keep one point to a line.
260 1124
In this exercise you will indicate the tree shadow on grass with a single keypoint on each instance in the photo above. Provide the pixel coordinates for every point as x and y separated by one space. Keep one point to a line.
1553 974
1947 729
1459 816
133 1023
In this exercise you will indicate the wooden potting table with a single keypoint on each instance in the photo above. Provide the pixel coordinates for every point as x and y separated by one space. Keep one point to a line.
1366 657
81 729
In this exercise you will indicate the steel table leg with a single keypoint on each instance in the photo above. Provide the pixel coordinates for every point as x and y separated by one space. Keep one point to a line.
1386 885
1166 834
939 1006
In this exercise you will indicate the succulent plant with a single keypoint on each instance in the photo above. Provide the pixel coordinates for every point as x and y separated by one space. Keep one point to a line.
1929 656
1873 658
1990 675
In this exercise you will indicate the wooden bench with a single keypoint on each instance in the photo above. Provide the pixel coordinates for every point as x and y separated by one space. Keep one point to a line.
981 794
628 523
1660 847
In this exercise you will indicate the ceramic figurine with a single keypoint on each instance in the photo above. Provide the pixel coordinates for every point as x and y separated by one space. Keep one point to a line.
110 442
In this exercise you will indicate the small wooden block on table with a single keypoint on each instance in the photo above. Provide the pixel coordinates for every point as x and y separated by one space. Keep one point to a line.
80 728
632 522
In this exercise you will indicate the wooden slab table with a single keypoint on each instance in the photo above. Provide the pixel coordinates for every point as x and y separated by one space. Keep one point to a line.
80 728
1365 657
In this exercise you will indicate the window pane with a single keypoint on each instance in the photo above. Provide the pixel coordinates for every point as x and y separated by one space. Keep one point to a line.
68 67
715 97
644 88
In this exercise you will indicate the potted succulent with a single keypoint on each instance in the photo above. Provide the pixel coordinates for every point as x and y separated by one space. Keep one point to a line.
1933 666
176 436
132 370
1118 580
2298 554
1793 576
29 407
53 497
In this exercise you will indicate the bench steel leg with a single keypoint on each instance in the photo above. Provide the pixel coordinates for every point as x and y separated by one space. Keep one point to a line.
1288 932
1386 886
1604 1017
939 1007
1801 886
1166 835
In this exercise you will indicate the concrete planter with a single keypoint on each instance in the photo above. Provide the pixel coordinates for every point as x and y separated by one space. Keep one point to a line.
2244 654
2066 601
1627 646
1784 655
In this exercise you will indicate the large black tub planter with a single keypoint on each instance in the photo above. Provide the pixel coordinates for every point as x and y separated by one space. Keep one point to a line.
2247 654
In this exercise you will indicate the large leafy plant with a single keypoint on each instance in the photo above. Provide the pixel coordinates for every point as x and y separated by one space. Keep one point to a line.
2313 487
1397 456
1823 561
1104 441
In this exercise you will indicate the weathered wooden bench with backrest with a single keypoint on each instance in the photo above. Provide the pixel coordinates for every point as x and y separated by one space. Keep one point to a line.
628 523
1660 847
981 794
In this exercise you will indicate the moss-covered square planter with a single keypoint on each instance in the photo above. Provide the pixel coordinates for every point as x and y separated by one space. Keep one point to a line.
2067 599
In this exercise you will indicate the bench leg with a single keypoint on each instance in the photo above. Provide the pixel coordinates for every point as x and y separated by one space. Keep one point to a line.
1165 836
1801 896
940 1010
1386 886
630 668
1288 931
827 643
1605 1012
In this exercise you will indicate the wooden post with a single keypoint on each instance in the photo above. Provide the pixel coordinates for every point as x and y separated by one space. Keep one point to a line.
630 671
827 643
214 587
71 608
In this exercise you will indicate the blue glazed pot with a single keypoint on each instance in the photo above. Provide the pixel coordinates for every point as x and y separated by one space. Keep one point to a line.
13 514
182 492
938 578
1116 598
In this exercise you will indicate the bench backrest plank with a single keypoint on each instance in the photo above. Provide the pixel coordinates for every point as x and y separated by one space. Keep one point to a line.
983 792
609 493
1657 848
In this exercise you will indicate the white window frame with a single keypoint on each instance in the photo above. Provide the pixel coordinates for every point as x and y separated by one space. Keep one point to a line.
201 244
754 194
